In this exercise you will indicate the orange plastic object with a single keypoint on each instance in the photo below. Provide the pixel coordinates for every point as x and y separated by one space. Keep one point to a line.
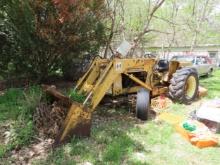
201 138
204 142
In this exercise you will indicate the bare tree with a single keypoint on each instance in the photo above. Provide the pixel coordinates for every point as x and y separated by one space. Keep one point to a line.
147 25
200 19
115 8
172 23
151 10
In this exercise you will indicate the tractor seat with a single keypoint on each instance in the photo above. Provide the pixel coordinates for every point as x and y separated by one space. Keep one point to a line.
163 65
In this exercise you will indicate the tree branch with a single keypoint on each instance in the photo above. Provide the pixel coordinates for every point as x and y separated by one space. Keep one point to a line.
151 14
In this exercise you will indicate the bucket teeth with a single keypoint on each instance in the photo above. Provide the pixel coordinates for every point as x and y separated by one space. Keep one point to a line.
77 123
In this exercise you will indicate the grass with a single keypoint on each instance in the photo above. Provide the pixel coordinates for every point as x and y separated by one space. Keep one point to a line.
9 104
118 138
212 84
109 144
75 96
16 109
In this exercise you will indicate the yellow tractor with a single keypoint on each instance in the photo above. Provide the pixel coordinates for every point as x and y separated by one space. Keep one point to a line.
147 77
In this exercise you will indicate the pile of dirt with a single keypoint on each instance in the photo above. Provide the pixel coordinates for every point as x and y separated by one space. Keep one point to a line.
51 112
48 118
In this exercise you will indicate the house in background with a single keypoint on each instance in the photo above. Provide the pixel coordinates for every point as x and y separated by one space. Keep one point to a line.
212 51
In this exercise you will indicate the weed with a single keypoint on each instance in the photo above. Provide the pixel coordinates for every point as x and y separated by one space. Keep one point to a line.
24 132
76 97
31 98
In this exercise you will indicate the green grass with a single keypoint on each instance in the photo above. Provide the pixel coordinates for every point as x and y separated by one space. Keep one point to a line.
120 142
108 144
16 109
212 84
76 97
9 104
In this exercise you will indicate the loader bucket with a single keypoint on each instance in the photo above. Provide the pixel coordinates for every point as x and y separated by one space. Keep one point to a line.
77 123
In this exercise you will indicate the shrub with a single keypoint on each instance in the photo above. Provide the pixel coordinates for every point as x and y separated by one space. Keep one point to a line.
40 37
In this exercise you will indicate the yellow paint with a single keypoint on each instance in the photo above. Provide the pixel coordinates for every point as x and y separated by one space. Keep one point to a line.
76 115
117 86
190 86
143 84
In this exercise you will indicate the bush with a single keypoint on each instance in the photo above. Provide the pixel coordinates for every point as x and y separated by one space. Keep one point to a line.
42 36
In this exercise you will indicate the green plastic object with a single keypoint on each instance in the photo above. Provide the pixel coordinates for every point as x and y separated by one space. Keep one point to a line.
189 126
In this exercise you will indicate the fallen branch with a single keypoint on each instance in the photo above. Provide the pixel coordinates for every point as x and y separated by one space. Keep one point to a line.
58 96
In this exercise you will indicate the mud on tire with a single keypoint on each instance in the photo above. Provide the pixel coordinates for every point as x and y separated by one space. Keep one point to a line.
184 85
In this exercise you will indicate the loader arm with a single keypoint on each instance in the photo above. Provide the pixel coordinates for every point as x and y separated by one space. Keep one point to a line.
112 71
78 120
83 86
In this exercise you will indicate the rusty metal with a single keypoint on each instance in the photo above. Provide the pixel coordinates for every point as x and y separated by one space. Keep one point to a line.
77 123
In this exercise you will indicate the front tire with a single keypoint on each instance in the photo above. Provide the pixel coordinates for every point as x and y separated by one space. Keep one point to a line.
143 104
184 85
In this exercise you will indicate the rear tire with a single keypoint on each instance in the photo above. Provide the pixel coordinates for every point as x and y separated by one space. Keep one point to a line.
143 104
184 85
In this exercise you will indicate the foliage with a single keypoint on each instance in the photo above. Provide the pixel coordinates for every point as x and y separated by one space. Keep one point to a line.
176 23
39 37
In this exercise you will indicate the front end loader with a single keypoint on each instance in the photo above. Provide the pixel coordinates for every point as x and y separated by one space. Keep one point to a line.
142 76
